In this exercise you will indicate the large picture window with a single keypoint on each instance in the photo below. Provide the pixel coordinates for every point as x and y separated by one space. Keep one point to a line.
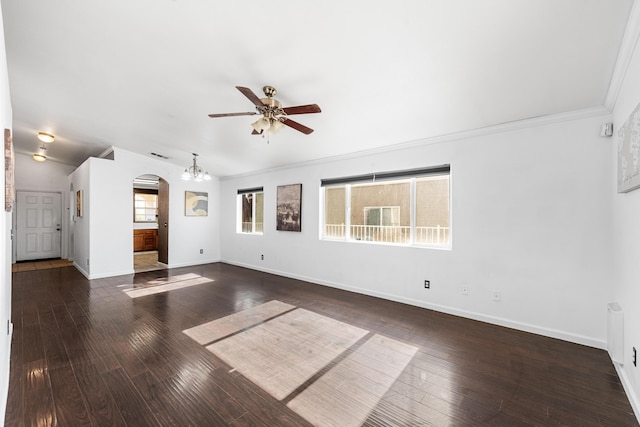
404 208
250 211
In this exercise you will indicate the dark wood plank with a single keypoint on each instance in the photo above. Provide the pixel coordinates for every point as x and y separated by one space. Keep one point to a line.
101 407
84 353
69 403
37 395
132 406
160 401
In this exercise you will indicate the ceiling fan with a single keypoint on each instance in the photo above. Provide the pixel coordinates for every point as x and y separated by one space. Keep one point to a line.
274 115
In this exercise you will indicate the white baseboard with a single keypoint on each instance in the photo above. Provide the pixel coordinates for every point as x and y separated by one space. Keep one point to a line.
89 276
81 270
628 388
189 264
4 387
552 333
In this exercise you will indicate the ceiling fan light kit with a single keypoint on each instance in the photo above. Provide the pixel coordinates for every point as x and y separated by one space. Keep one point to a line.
274 116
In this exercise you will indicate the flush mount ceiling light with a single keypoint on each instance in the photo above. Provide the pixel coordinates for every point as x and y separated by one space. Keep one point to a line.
195 172
41 155
46 137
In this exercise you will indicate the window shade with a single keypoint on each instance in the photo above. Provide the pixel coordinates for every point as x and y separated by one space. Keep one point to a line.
251 190
381 176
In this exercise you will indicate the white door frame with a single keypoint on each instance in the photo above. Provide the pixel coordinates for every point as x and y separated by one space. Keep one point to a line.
64 222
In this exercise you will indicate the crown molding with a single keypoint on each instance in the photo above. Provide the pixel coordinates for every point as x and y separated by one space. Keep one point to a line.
488 130
625 53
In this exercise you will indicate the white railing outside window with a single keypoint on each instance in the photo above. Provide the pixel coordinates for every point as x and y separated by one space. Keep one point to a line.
246 227
389 234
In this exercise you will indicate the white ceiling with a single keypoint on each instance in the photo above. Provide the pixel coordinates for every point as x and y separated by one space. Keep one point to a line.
143 74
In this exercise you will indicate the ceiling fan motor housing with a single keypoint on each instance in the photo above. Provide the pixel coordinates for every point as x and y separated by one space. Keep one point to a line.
269 91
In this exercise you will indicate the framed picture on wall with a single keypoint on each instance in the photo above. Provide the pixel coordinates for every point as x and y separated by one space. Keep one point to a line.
79 203
196 203
289 207
629 153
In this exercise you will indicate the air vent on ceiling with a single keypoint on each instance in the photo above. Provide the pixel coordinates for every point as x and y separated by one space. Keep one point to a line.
159 155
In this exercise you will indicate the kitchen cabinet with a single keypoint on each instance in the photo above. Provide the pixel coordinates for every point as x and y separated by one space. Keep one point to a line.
145 240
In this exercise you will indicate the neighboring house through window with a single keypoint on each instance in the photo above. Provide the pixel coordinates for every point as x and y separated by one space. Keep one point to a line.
250 210
405 207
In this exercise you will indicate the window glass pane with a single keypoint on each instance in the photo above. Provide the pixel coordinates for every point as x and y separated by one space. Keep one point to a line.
381 212
334 212
247 212
432 210
252 212
259 212
404 210
145 207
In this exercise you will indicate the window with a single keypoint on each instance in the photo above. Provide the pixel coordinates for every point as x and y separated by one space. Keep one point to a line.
145 205
250 210
404 208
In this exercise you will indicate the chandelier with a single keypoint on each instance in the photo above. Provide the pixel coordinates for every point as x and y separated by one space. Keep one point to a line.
195 172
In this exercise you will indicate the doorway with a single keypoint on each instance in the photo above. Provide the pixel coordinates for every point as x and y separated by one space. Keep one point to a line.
38 225
150 223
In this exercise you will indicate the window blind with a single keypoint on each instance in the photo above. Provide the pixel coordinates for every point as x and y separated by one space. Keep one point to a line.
251 190
382 176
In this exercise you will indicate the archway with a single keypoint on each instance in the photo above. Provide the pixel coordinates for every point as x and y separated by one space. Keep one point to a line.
150 223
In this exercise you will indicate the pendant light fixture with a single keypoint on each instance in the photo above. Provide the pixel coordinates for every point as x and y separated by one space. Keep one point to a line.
195 172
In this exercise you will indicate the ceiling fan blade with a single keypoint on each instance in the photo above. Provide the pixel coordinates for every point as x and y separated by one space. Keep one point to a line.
233 114
302 109
297 126
252 96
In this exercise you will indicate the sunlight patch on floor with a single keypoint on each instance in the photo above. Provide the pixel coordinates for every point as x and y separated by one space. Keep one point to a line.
283 353
346 395
155 287
309 358
220 328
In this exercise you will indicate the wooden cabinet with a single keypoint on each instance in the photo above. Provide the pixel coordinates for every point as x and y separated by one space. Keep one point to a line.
145 240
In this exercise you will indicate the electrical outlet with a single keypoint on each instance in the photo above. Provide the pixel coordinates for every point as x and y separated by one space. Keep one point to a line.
635 357
262 257
201 251
427 284
496 295
465 290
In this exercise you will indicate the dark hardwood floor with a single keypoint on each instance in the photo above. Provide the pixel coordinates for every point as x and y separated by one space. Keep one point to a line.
86 353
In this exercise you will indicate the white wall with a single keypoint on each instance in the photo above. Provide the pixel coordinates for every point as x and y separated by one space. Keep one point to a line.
79 230
43 177
108 190
626 250
5 233
531 218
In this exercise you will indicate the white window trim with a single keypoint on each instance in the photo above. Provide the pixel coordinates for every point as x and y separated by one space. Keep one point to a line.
239 222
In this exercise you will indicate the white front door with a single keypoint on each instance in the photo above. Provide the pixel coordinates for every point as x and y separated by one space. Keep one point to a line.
38 217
